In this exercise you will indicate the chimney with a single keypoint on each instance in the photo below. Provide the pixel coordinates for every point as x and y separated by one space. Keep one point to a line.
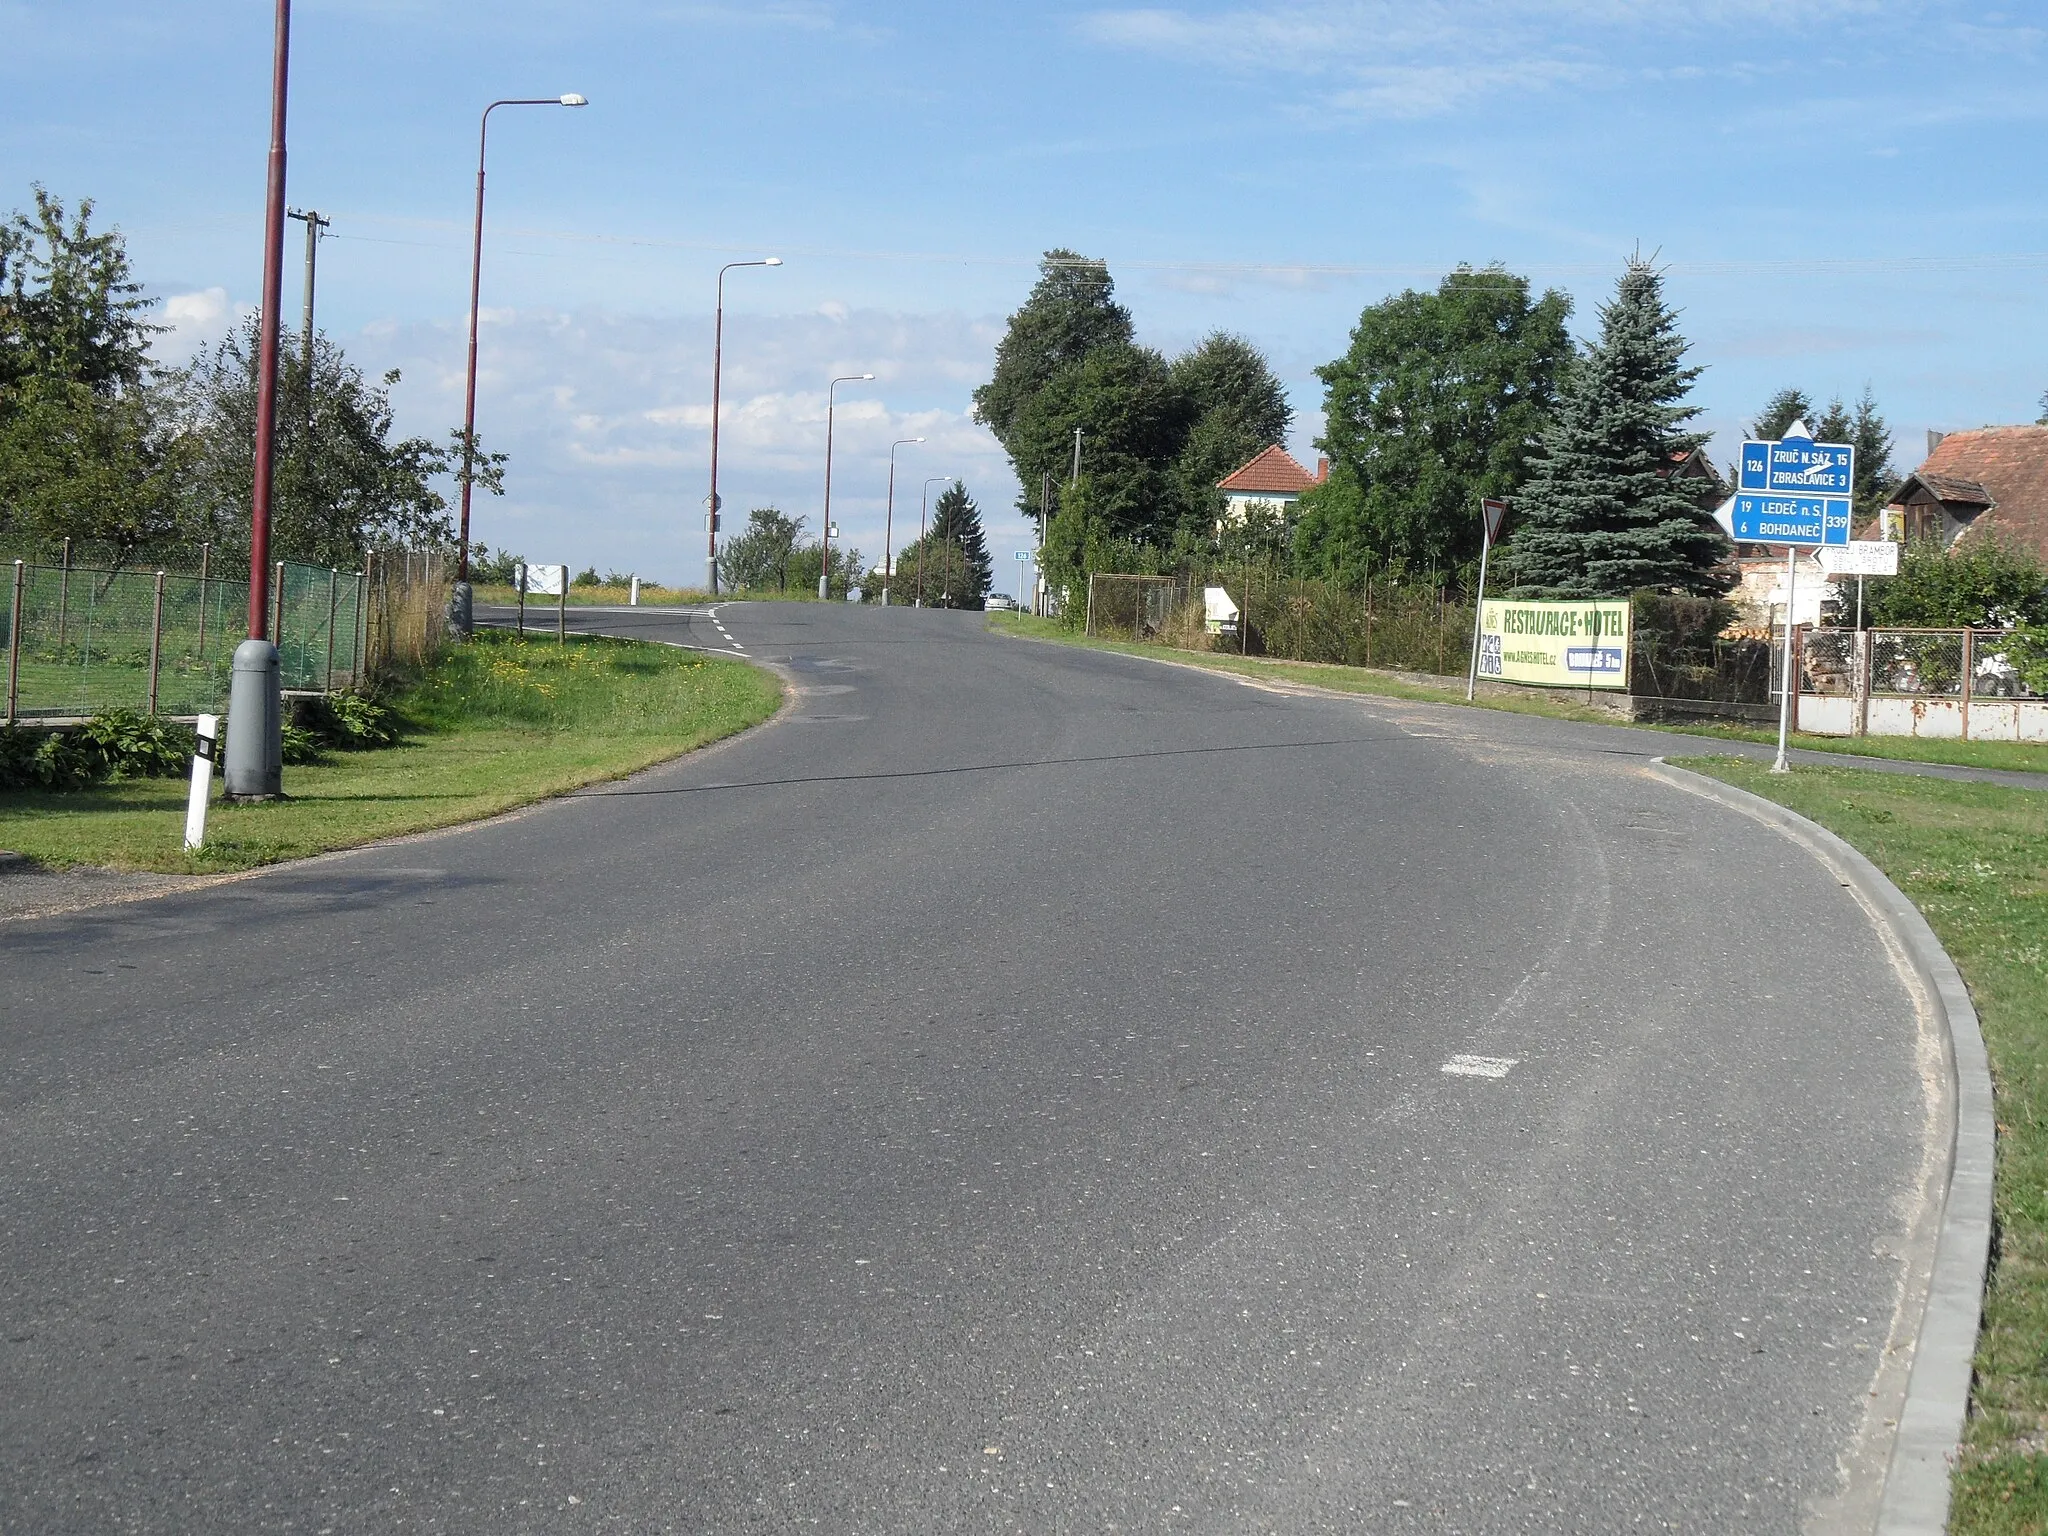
1322 470
1934 440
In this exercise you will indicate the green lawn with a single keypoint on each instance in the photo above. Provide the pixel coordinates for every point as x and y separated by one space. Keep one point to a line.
498 723
2021 756
1974 858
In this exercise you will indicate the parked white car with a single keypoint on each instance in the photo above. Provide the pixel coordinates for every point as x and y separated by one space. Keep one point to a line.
1000 602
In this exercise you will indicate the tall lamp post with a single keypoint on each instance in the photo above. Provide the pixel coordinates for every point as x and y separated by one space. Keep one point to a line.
255 745
889 519
923 505
717 366
459 611
825 542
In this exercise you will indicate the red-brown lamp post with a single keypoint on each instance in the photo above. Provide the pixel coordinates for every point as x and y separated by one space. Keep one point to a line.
923 506
717 366
255 746
889 519
825 540
459 603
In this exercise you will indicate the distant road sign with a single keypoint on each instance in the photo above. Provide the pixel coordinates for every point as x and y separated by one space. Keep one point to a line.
1797 464
1023 554
1494 512
1806 520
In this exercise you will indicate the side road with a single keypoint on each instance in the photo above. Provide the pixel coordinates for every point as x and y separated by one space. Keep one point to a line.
1627 740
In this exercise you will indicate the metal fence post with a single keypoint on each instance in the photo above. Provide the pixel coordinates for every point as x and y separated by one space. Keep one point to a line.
1969 666
359 649
1863 682
205 562
277 614
156 641
63 595
333 593
14 643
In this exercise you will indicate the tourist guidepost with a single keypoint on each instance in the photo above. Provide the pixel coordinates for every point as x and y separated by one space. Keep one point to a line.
1793 492
1491 515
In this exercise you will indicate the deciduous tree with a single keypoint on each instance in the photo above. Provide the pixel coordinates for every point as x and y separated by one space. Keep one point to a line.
1439 402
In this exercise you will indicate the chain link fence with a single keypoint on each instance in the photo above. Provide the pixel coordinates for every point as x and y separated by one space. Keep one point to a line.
1903 663
80 639
1407 627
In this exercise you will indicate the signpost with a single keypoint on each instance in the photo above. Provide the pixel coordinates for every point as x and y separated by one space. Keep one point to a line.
1492 514
1793 492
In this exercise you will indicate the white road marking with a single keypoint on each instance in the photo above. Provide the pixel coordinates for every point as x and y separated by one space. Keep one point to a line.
1480 1066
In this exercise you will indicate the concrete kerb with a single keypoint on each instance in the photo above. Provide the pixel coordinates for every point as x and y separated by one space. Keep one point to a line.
1915 1501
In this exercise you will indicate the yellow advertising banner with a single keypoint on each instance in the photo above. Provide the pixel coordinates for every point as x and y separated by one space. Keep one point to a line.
1561 645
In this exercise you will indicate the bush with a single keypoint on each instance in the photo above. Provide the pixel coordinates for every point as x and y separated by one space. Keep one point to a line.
350 722
137 746
39 759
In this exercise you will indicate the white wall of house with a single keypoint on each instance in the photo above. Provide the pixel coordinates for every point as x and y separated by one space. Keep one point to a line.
1238 504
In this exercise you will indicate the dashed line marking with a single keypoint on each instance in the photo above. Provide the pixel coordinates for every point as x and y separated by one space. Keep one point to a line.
1480 1066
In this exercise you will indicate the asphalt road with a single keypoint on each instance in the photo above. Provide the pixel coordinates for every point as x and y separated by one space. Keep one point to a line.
1006 1093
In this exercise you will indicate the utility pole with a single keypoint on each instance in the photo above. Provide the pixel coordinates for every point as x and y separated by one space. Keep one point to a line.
1076 475
314 225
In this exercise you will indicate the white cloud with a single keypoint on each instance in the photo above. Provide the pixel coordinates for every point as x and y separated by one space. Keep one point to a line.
607 418
195 321
1396 59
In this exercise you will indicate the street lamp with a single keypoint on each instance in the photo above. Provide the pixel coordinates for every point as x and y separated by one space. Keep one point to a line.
255 744
460 603
889 518
923 502
717 364
825 543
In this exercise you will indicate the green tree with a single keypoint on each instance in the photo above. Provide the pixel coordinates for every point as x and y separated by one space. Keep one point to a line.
343 483
1866 431
1439 402
1976 581
70 309
1070 313
953 555
1600 515
758 558
848 569
1788 405
75 463
1133 420
1235 407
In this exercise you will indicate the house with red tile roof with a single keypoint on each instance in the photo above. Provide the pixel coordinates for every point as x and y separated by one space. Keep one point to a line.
1988 483
1275 478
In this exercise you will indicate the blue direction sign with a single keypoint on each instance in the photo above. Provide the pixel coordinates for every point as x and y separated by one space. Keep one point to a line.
1797 464
1812 520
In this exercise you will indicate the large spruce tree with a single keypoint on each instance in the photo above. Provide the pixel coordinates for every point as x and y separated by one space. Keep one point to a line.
953 555
1601 514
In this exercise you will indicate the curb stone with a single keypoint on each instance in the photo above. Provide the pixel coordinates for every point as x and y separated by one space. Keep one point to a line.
1915 1501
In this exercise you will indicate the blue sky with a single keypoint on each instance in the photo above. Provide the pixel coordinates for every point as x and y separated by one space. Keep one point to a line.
1844 192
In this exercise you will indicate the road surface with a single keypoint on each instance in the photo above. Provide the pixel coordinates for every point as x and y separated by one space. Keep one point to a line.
1020 1089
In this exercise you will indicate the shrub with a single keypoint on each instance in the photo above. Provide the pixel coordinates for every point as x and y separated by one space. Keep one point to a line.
137 746
351 722
40 759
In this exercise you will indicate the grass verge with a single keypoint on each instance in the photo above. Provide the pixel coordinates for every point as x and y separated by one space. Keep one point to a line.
2020 756
496 724
1974 858
1389 685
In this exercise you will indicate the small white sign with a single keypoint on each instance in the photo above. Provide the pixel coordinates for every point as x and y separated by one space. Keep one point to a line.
546 580
1861 557
1218 611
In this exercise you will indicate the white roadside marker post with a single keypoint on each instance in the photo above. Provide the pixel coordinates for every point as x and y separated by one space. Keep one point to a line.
202 784
633 598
